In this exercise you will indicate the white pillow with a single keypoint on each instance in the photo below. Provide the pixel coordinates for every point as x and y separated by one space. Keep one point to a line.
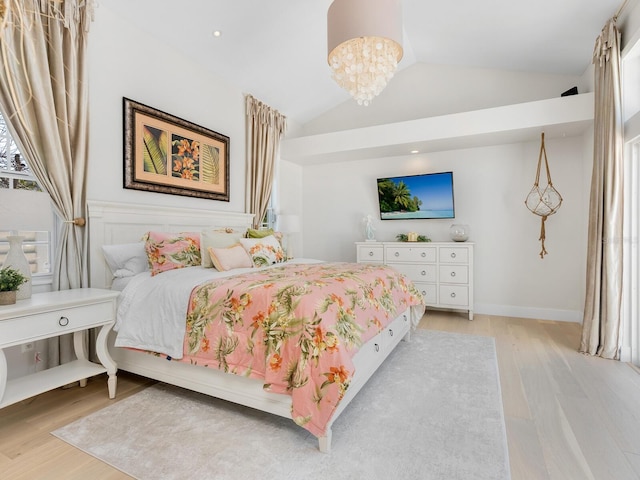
219 238
263 251
230 257
126 259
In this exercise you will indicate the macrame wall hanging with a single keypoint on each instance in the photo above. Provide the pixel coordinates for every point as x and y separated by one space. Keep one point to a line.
543 201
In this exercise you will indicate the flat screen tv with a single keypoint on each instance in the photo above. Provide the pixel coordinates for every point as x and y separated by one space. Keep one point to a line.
425 196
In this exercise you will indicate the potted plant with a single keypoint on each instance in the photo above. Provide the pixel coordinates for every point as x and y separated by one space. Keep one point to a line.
10 281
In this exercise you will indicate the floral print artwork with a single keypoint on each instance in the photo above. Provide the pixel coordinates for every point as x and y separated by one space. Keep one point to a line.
295 327
185 156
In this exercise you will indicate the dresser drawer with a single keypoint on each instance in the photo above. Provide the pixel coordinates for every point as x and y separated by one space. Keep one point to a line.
373 253
56 322
416 272
454 255
454 295
410 254
454 274
429 291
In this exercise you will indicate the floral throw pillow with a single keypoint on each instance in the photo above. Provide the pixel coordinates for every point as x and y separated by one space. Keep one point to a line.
263 251
167 251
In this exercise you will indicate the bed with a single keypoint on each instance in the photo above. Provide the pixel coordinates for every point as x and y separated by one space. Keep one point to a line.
115 224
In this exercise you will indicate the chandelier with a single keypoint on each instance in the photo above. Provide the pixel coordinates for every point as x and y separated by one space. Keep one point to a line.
364 44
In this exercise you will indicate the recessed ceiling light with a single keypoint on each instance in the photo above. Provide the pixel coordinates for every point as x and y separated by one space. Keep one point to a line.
216 33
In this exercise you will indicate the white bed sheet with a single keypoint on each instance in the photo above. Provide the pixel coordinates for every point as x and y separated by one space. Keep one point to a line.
152 310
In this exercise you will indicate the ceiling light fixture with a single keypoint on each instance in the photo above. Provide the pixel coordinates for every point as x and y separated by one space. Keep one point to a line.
364 45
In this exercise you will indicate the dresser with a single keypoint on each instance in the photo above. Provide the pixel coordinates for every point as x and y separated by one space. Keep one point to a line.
51 314
442 271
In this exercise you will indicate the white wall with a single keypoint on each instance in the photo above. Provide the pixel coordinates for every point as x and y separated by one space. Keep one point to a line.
130 65
490 185
425 90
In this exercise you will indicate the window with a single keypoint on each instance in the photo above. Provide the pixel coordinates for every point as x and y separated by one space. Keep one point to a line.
14 171
21 197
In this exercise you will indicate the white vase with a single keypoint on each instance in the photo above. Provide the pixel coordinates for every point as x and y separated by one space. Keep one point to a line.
16 260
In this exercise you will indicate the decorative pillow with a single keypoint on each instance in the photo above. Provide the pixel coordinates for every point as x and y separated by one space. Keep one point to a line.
126 259
167 251
263 251
253 233
231 257
219 238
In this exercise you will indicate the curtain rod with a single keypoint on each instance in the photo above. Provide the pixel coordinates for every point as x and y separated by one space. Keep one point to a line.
621 8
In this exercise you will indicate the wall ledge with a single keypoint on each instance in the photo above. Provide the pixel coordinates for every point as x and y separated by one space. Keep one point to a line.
522 122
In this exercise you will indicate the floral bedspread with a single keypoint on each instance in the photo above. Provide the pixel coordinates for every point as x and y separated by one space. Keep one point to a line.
296 327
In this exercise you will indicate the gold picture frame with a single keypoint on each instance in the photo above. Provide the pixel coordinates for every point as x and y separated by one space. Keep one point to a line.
166 154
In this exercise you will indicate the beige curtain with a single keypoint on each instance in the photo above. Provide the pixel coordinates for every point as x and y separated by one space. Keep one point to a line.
44 95
602 311
265 127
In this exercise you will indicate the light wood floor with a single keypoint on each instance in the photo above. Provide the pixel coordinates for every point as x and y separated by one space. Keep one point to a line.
568 416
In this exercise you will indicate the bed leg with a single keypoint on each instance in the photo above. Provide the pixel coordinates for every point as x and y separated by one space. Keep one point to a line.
324 443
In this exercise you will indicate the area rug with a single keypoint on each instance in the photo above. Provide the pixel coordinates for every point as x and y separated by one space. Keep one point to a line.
433 410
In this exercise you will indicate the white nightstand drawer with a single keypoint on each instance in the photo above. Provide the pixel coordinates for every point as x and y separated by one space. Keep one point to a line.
454 295
454 255
410 254
429 291
454 274
415 272
373 254
58 322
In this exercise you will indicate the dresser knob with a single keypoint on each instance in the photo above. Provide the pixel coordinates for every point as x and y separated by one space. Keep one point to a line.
377 347
423 273
453 294
453 274
397 254
63 322
405 317
453 254
423 254
424 293
390 333
371 254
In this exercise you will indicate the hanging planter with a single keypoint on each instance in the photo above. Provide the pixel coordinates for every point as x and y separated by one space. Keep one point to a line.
545 200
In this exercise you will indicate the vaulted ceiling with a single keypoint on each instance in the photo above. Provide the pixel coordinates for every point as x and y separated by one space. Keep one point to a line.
276 50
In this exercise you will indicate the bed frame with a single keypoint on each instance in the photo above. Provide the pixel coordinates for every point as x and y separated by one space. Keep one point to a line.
113 223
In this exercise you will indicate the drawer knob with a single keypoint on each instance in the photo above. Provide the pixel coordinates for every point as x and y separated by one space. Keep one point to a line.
424 293
453 254
63 322
423 254
405 317
453 294
371 253
377 347
423 273
397 254
390 333
453 274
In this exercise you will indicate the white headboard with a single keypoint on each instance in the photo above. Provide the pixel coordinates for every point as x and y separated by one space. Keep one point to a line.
112 223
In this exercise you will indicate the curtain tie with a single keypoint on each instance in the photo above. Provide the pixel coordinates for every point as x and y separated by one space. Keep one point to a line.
78 222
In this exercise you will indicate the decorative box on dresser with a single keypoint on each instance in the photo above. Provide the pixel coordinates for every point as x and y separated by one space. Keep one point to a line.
442 271
51 314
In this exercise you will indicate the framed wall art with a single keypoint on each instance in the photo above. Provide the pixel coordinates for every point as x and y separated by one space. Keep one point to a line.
166 154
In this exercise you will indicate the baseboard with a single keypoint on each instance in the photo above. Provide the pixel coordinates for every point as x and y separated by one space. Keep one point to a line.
528 312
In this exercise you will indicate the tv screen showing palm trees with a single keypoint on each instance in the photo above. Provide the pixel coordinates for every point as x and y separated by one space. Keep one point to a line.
429 195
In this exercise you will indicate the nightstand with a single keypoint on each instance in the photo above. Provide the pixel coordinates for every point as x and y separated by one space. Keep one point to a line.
47 315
